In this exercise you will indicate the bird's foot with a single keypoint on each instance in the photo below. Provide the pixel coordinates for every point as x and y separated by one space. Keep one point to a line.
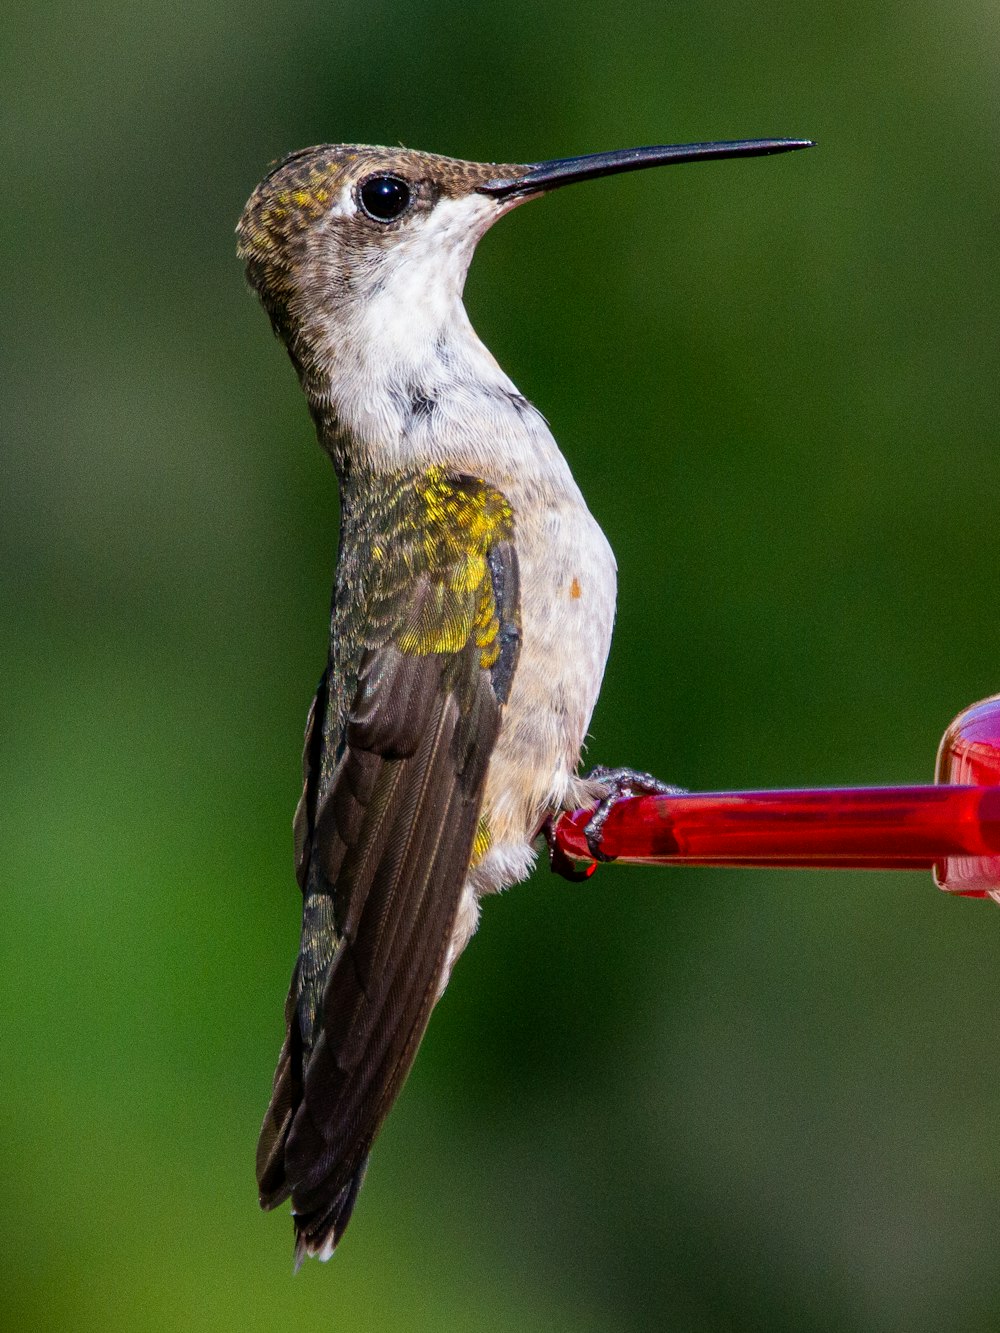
559 862
619 783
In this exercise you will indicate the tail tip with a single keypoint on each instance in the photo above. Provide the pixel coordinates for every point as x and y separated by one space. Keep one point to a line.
319 1239
313 1247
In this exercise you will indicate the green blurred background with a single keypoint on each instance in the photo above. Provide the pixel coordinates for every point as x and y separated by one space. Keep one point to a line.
684 1100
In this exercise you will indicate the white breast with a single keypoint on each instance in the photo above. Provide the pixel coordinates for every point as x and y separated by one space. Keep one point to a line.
568 588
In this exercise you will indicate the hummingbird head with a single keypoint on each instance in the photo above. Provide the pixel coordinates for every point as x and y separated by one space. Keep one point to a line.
336 231
360 254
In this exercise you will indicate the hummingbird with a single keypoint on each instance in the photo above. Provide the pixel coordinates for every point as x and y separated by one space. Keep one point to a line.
472 610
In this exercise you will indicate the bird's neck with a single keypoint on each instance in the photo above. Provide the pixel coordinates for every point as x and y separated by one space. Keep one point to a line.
409 385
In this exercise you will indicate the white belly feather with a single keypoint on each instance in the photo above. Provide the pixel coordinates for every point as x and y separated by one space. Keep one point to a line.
568 588
567 575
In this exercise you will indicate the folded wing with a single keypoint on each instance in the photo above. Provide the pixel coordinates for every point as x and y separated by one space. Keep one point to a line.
384 845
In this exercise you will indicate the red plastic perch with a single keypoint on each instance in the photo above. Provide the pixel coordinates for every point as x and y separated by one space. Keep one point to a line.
952 828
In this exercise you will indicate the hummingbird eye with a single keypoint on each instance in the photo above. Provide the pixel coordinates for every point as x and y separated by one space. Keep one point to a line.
384 198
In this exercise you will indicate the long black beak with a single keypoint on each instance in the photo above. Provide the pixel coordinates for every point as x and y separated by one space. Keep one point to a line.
541 176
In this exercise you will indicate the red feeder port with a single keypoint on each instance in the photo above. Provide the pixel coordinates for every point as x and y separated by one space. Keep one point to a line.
952 828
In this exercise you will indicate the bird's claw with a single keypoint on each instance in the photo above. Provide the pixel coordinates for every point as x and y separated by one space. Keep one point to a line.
620 783
559 862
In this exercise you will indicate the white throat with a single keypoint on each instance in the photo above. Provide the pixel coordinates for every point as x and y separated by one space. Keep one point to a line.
405 342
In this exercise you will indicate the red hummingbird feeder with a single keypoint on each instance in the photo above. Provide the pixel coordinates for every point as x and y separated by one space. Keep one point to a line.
951 828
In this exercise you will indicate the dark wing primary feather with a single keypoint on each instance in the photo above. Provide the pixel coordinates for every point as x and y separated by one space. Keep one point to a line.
384 846
287 1091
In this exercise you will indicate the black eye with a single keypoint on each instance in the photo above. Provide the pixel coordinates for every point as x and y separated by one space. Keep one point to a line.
384 197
